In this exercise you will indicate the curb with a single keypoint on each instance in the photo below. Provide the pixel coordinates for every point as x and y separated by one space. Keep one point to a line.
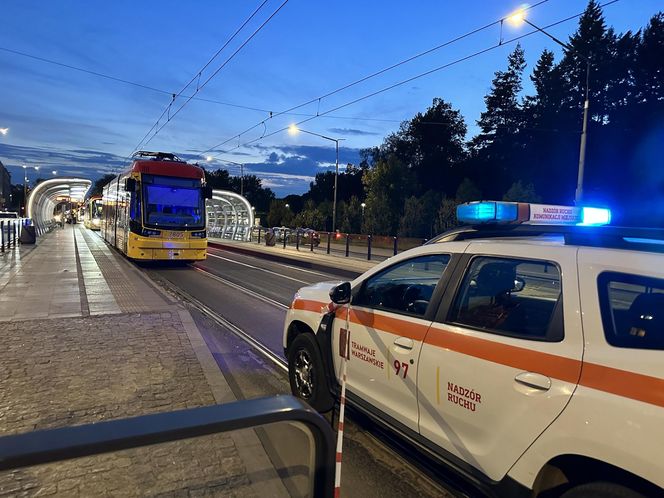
344 272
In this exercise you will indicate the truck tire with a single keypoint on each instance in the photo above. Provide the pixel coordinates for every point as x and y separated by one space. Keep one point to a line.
601 490
306 373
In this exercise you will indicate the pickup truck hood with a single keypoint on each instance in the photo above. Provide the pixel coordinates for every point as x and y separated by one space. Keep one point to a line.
319 292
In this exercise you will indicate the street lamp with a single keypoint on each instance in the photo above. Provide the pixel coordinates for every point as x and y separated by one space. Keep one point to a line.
4 131
293 130
518 18
54 172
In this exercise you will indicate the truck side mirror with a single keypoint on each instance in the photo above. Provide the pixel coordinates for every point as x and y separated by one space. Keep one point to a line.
130 185
340 294
207 192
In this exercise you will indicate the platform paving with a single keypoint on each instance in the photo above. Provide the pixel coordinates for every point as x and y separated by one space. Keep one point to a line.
84 337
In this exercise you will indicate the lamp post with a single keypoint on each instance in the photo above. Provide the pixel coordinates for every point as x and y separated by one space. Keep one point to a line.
293 129
520 17
241 165
4 131
25 187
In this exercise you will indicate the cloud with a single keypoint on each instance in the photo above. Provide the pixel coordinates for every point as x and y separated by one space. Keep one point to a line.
352 131
84 162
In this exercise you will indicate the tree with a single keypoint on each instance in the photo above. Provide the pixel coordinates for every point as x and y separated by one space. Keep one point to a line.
496 146
446 218
387 185
98 186
519 192
279 214
350 216
467 192
310 217
419 215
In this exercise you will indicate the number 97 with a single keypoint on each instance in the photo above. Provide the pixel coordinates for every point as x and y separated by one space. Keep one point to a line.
400 365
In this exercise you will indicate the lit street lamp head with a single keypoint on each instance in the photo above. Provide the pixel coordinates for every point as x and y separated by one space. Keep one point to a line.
293 129
4 131
517 18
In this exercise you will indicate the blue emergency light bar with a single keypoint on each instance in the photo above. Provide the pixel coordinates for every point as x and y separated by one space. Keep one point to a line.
502 212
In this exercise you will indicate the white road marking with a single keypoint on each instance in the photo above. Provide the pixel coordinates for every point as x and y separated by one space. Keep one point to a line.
296 268
260 269
241 289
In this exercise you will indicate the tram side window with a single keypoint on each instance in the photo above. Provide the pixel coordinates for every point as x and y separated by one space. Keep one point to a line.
135 207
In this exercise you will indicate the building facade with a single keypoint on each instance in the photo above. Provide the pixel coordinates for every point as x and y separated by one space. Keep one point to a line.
5 186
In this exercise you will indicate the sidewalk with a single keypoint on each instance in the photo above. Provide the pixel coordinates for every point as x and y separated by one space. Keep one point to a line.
85 337
317 260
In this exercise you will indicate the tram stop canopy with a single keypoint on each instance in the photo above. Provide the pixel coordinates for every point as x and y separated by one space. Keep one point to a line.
229 216
46 195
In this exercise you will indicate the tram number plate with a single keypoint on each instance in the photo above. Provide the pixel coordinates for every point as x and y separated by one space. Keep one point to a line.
177 235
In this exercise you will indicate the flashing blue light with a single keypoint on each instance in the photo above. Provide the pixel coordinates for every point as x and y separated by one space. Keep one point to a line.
486 212
592 216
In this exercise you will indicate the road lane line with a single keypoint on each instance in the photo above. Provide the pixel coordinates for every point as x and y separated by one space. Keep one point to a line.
241 289
261 269
296 268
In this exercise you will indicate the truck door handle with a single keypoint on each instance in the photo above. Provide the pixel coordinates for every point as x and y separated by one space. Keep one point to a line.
404 342
534 380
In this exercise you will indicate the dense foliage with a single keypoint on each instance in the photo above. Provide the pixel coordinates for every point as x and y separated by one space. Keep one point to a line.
527 147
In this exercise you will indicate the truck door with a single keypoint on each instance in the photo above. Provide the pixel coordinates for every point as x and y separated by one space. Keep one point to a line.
503 355
388 321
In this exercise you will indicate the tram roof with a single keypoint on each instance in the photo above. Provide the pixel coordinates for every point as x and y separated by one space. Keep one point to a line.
167 168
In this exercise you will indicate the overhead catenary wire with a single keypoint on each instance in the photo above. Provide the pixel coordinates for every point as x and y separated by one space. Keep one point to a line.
373 75
418 76
198 73
166 92
201 86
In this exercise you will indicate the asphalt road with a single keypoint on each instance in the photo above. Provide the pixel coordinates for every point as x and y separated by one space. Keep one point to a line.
253 295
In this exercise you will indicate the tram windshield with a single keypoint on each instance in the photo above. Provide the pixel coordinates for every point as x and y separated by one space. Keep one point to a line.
173 202
95 209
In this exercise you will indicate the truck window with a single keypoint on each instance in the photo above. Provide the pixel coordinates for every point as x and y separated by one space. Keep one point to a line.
632 310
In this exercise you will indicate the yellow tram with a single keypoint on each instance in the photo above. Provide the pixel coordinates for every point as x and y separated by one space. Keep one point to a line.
156 209
92 213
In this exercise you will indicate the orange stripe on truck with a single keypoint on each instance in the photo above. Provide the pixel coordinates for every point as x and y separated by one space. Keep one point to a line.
306 305
623 383
559 367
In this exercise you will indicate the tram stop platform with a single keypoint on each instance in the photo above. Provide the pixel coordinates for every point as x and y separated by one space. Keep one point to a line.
86 337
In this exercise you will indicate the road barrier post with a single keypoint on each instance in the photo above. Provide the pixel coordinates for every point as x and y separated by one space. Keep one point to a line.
285 235
329 236
2 235
347 244
259 235
311 242
14 230
369 247
297 240
396 245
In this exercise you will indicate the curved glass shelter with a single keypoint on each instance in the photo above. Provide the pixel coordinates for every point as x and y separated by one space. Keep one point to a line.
46 195
229 216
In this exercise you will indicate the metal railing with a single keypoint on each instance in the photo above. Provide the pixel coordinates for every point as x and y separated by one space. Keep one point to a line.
10 232
57 445
370 247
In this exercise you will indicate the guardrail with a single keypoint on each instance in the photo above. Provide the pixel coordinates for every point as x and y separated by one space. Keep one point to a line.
56 445
371 247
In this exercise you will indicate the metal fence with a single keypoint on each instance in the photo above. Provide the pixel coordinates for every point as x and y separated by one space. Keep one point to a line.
370 247
58 445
